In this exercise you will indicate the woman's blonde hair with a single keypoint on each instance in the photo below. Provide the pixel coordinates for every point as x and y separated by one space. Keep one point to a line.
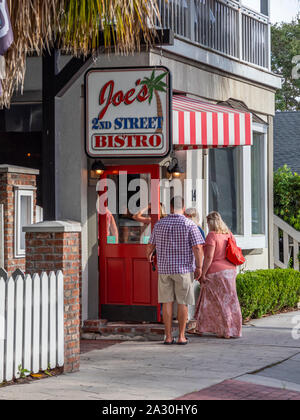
193 214
162 211
216 223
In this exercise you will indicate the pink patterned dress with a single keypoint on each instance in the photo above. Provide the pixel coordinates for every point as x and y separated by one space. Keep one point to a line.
218 310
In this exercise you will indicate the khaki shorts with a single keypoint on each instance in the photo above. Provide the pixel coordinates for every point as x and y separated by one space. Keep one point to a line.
177 287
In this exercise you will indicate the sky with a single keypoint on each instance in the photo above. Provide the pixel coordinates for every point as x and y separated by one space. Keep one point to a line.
281 10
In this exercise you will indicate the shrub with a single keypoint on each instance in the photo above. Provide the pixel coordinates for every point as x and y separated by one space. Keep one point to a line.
265 292
287 196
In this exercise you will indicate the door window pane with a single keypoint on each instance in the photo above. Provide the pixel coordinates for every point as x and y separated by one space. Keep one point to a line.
224 186
130 221
258 189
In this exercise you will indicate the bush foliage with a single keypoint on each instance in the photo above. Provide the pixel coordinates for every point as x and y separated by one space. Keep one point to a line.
287 196
285 46
265 292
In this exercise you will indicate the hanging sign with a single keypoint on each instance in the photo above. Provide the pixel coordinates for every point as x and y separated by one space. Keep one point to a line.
128 112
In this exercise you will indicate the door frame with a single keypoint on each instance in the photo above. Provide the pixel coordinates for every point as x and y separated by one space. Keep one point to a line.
154 171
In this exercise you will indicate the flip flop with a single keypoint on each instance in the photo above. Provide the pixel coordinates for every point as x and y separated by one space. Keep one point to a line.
167 343
183 343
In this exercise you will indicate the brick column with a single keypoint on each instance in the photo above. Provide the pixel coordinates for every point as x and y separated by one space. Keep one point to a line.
53 246
12 178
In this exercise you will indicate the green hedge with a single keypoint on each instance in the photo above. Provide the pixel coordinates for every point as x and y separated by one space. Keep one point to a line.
265 292
287 196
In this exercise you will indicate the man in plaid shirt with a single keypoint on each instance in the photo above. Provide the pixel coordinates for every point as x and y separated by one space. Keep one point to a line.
179 247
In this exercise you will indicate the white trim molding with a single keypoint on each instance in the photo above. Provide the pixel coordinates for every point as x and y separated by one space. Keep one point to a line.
20 192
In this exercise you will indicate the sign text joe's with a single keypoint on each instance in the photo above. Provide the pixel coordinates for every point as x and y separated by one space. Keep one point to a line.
128 112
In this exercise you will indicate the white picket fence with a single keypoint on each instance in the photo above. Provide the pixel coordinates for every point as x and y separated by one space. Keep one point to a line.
1 235
31 323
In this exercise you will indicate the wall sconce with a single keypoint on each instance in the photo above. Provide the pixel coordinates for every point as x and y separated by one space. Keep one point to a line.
98 169
174 169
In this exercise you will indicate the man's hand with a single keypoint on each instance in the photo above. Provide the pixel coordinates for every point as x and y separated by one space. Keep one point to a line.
151 258
198 253
150 252
197 274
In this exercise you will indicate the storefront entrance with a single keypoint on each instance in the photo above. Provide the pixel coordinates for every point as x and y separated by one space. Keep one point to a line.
128 284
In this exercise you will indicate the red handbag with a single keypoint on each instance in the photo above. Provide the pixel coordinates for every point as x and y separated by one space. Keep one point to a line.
234 253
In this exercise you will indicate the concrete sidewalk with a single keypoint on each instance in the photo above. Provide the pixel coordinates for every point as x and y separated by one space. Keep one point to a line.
152 371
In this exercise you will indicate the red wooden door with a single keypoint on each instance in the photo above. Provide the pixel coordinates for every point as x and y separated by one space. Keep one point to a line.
128 285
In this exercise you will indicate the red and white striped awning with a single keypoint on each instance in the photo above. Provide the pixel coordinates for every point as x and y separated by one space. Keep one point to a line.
199 124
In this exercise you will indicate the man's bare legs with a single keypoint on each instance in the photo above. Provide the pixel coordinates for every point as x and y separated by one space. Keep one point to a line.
167 318
182 320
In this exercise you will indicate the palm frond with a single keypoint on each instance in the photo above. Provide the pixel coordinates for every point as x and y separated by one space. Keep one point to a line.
73 26
160 77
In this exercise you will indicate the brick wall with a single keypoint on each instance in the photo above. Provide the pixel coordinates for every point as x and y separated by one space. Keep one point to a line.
8 181
53 251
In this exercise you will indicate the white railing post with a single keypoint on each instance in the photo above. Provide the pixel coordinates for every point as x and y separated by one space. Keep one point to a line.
276 243
296 255
269 48
290 242
192 14
286 249
240 28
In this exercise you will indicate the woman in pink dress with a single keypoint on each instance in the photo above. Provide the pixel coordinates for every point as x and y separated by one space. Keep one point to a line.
218 310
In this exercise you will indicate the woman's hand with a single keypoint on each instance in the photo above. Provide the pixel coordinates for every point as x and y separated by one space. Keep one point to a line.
203 279
197 274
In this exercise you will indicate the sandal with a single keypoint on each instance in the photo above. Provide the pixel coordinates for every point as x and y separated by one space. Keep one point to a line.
169 343
183 343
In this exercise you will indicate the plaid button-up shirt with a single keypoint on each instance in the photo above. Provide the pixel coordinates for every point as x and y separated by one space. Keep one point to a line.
174 237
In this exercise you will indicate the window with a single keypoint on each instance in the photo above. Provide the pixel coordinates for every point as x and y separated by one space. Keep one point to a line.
121 227
25 118
224 186
21 138
237 188
258 185
23 217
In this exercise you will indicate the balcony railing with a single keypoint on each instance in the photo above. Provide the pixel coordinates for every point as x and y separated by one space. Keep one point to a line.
222 26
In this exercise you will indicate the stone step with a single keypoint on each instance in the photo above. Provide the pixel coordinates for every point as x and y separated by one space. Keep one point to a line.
93 325
102 329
